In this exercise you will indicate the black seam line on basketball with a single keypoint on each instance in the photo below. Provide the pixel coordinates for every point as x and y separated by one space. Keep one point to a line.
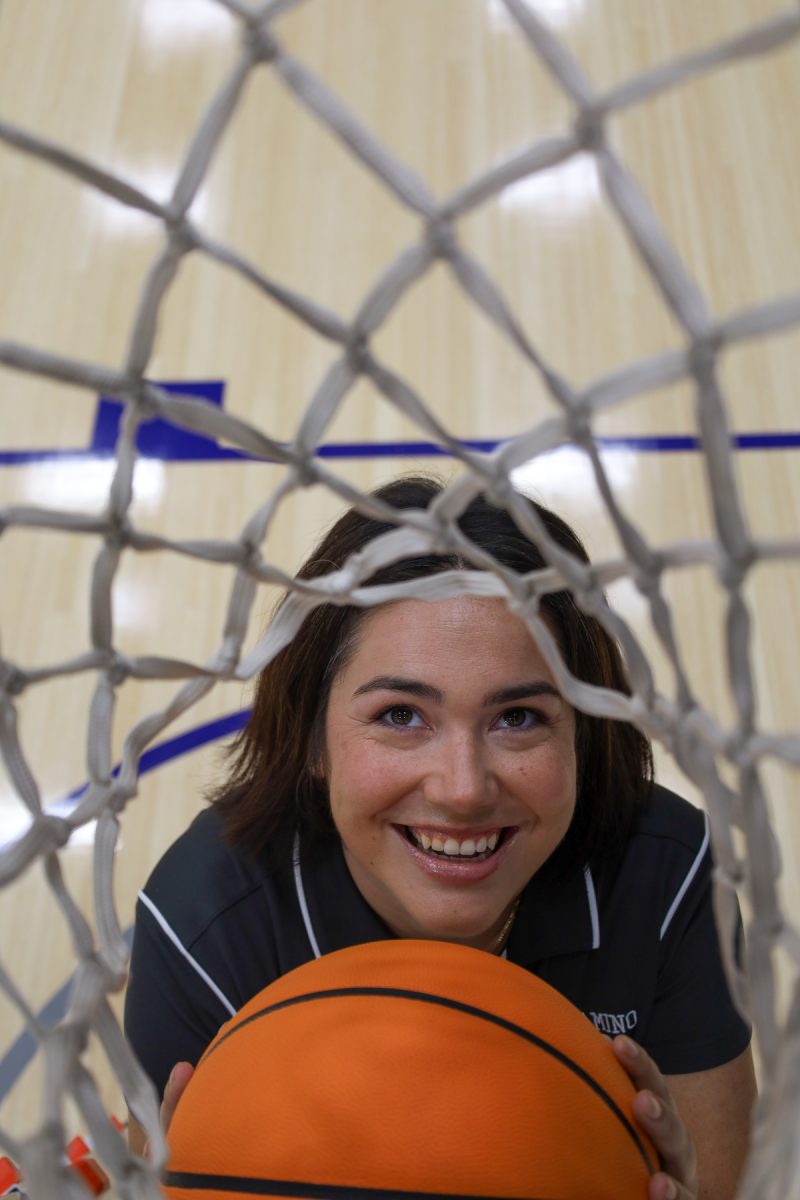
254 1186
459 1006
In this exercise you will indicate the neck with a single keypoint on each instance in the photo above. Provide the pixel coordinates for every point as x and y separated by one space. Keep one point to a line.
498 942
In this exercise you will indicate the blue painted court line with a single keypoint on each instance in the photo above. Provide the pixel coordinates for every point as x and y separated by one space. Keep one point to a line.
159 439
20 1053
644 444
182 743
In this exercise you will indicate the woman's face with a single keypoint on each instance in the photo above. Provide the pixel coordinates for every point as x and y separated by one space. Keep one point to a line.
450 763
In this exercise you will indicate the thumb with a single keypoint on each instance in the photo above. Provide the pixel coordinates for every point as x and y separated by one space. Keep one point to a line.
176 1085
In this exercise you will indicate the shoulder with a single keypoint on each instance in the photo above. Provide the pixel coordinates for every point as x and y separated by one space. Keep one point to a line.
669 839
200 877
665 870
669 818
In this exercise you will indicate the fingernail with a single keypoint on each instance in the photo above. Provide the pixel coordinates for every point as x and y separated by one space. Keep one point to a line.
672 1190
653 1107
630 1048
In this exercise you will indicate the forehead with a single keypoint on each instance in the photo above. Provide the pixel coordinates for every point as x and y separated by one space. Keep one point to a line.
465 637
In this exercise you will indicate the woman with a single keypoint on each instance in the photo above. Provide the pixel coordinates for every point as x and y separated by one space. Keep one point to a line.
412 770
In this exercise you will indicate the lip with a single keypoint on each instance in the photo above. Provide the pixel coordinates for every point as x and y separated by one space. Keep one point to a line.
461 835
457 870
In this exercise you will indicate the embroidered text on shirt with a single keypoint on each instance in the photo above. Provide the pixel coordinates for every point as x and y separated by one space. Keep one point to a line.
615 1022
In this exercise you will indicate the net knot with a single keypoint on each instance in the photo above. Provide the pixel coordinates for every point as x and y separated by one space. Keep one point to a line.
250 554
118 669
590 127
441 238
580 424
357 352
703 354
119 533
733 571
502 492
260 42
181 232
13 680
527 607
55 830
146 400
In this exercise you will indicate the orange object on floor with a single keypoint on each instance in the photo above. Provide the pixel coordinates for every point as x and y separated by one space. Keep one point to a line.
9 1175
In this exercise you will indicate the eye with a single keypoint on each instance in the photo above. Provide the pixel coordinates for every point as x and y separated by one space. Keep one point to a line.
399 716
520 718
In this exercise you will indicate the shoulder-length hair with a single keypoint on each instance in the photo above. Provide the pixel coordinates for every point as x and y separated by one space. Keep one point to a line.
273 788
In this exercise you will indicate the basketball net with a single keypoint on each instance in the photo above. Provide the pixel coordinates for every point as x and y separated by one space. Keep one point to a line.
743 840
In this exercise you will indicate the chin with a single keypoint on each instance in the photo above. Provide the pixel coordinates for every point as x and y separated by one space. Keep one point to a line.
456 931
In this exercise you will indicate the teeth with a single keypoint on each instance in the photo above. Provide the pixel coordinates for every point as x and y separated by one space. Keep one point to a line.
452 847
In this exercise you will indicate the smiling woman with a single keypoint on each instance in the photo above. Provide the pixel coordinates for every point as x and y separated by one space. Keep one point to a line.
413 770
446 799
277 788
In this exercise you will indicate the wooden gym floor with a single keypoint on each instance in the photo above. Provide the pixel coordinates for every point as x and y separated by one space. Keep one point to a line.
451 88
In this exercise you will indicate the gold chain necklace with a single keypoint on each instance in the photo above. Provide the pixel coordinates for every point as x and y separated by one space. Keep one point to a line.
504 932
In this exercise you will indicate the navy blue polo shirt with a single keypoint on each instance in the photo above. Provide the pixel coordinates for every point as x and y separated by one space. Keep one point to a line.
635 948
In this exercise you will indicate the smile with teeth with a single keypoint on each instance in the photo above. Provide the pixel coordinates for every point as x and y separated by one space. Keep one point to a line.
447 846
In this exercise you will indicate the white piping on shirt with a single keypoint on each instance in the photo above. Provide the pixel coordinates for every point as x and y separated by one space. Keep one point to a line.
591 896
173 937
301 897
673 908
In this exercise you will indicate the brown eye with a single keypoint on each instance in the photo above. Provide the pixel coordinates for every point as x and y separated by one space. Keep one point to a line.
401 716
519 718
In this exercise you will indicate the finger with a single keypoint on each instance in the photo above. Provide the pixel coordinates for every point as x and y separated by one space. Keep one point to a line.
661 1122
656 1113
643 1071
176 1085
662 1187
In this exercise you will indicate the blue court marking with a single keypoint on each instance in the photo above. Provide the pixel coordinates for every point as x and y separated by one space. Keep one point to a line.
20 1053
159 439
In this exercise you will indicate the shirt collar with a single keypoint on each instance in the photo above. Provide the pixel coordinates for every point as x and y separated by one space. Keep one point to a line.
337 913
556 915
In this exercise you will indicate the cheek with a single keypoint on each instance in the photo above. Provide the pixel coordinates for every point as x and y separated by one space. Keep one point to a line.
551 784
362 780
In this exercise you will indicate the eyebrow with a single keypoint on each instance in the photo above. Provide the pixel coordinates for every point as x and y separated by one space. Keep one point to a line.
426 691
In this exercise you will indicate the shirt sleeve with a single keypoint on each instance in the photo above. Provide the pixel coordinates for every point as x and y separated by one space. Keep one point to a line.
172 1011
695 1025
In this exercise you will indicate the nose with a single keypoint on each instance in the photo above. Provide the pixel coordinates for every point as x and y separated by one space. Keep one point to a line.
462 781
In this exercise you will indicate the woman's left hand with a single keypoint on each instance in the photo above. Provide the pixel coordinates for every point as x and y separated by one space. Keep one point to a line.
657 1114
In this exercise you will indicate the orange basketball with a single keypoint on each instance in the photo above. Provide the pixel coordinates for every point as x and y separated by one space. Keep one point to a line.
402 1069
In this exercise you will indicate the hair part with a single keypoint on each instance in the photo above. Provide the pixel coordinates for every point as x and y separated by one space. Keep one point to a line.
275 786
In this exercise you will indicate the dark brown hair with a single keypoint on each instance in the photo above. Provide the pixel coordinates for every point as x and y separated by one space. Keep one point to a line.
272 788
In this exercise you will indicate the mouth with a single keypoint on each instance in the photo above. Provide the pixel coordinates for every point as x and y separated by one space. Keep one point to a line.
451 848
